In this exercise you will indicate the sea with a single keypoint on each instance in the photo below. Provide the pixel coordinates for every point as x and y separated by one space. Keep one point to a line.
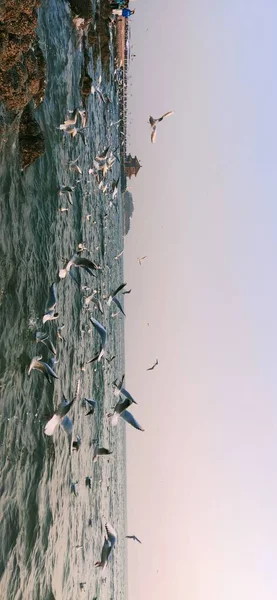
51 538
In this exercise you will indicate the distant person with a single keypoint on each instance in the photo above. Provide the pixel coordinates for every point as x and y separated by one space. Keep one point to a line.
123 12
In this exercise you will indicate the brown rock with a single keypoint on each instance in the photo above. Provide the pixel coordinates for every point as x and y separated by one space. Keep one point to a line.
31 140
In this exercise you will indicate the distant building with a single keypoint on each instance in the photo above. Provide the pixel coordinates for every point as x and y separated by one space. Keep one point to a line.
132 165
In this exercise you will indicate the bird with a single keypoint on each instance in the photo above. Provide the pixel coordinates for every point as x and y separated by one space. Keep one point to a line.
109 543
96 302
126 292
43 367
119 389
100 452
103 335
153 122
73 488
44 339
79 262
153 366
77 443
133 537
89 482
140 259
58 416
112 298
51 304
92 403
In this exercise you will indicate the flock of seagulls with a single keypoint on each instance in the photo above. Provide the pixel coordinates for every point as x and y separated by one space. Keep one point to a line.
102 164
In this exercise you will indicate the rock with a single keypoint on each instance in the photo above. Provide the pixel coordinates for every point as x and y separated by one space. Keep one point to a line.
31 140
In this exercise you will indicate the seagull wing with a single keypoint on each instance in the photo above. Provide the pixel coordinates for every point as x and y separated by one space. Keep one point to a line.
122 405
167 114
118 289
80 261
137 540
116 301
128 417
125 393
100 329
153 134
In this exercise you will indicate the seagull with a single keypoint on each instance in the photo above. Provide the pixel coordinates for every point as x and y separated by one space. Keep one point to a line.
43 367
96 301
118 256
109 360
58 416
112 298
92 403
103 334
80 262
51 304
119 389
44 339
120 411
89 482
126 292
133 537
67 190
153 366
109 543
73 488
141 259
100 452
77 443
153 122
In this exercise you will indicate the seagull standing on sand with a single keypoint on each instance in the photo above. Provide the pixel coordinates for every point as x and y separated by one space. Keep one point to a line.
109 543
153 122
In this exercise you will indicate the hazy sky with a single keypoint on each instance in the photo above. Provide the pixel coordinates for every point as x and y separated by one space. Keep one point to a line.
202 491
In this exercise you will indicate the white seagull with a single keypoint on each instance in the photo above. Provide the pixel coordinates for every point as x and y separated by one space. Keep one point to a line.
153 122
58 416
103 334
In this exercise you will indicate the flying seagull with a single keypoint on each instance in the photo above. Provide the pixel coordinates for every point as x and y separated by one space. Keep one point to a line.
120 411
58 416
109 543
51 304
80 262
133 537
153 366
140 259
153 122
92 404
42 337
103 334
43 367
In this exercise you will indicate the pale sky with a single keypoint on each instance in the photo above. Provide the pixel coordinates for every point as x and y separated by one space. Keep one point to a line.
202 489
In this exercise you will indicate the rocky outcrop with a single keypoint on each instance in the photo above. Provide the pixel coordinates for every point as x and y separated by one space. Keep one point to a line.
22 72
22 66
31 140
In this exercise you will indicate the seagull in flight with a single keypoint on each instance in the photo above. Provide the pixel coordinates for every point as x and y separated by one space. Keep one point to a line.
153 366
103 335
133 537
153 122
43 367
58 416
140 259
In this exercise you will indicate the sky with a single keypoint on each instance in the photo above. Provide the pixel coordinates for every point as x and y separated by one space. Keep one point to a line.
201 479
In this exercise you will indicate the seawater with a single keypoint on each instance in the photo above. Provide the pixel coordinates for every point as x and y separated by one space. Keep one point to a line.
42 522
